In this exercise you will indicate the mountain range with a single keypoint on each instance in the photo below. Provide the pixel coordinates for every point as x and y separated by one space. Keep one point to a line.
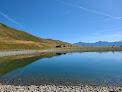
100 44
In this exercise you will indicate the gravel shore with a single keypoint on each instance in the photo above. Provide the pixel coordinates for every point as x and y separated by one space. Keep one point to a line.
53 88
14 53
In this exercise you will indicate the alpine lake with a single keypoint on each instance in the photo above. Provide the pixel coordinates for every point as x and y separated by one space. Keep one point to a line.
65 68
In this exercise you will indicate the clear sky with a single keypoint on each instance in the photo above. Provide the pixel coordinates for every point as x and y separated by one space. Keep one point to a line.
65 20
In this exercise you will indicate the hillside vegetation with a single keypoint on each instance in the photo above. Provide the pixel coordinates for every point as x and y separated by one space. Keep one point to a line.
11 38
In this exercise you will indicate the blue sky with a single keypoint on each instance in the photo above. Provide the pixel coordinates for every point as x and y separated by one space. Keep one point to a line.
65 20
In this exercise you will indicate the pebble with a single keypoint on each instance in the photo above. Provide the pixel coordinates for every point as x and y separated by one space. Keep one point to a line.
53 88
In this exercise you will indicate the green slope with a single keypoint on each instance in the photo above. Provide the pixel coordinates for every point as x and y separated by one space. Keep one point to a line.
7 32
11 38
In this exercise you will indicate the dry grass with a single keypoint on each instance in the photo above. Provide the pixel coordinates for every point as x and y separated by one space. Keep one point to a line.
11 38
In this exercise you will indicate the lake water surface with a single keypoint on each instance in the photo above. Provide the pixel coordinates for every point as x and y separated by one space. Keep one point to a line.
86 68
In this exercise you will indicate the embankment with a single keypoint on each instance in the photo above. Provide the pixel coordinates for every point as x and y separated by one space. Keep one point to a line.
13 53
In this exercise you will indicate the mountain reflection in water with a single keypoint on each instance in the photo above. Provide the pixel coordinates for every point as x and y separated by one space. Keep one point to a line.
8 64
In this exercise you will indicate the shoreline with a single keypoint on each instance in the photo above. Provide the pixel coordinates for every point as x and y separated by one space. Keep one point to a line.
57 88
53 88
25 52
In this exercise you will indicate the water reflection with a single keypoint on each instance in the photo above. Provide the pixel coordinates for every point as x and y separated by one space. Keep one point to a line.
77 68
9 64
60 53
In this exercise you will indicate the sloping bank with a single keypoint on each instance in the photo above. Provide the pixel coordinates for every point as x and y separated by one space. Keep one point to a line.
13 53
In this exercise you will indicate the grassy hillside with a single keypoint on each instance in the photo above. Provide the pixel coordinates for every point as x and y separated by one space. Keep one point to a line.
11 38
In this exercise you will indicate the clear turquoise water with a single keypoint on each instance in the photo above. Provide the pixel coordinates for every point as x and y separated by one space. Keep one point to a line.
89 68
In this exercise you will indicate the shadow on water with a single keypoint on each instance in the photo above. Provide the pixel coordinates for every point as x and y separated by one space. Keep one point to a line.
60 53
77 68
10 64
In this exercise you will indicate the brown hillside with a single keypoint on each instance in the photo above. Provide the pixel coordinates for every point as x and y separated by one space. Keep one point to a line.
11 38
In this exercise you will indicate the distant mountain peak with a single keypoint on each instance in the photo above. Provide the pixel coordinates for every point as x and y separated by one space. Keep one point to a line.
120 41
100 44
